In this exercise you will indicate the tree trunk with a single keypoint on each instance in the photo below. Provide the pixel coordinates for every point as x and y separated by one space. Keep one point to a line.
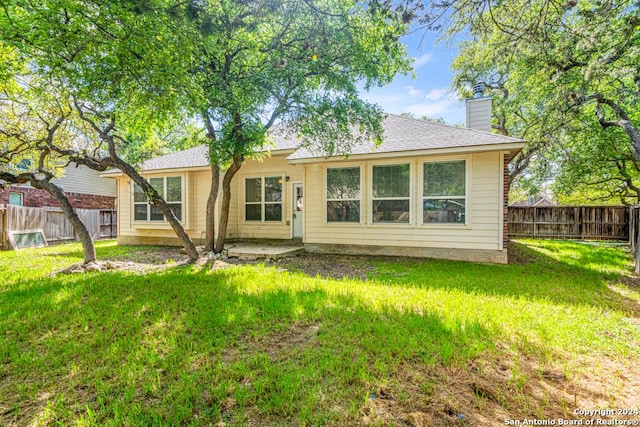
226 200
210 229
89 250
83 234
115 161
159 202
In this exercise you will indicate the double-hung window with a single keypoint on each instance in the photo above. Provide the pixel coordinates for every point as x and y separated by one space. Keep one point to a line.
343 194
263 199
444 192
169 188
391 193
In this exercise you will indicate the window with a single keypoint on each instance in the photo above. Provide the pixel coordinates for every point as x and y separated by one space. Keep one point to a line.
263 199
444 192
15 198
26 239
343 194
391 189
169 188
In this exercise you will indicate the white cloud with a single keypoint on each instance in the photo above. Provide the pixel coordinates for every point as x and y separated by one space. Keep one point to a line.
421 60
412 91
437 94
442 108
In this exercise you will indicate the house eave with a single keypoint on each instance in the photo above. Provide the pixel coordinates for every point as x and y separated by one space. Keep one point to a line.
117 173
513 148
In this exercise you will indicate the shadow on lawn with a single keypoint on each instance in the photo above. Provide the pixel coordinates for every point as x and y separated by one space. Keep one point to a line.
167 347
189 346
572 277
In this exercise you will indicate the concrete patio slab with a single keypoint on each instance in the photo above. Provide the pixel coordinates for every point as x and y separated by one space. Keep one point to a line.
251 251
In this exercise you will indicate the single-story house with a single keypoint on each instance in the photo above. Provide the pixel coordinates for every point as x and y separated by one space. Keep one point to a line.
429 190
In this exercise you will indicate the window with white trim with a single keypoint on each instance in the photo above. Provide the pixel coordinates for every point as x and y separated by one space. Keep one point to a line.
444 192
343 194
169 188
263 199
16 198
391 193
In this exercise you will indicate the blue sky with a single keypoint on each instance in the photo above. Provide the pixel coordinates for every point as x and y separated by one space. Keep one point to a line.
429 93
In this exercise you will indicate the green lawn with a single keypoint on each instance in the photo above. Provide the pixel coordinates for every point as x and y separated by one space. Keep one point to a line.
421 342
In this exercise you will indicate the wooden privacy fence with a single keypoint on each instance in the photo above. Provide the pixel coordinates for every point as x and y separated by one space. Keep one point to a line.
3 241
570 222
57 229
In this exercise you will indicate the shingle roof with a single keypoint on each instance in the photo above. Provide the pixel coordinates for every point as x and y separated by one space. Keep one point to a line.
199 156
407 134
190 158
400 134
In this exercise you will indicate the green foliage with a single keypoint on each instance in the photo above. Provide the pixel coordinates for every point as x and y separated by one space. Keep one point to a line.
267 62
551 68
438 120
117 55
599 168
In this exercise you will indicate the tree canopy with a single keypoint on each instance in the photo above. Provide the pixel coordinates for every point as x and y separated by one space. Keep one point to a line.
560 73
132 71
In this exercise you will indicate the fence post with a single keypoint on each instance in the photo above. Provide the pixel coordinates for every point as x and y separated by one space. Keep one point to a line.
582 223
636 229
535 214
636 238
3 229
632 243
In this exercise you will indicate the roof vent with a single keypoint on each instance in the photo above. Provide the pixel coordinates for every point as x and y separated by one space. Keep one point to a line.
478 90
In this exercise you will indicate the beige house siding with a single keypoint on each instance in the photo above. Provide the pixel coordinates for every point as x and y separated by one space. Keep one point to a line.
482 230
195 189
196 185
269 166
480 239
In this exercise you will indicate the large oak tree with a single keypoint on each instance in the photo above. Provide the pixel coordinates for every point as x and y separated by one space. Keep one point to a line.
239 66
266 62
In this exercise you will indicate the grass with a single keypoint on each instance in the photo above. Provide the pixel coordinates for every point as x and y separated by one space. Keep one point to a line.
418 342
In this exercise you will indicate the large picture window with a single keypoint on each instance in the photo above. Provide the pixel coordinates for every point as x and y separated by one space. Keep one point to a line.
169 188
444 192
391 193
263 199
343 194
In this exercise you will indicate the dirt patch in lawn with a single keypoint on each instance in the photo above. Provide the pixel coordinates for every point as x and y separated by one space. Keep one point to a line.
485 393
154 258
159 258
277 345
332 266
139 260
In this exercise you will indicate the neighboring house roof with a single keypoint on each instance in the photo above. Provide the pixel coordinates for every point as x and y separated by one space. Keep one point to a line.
540 201
401 134
81 180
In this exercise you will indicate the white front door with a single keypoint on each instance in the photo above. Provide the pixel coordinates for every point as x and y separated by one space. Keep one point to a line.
298 207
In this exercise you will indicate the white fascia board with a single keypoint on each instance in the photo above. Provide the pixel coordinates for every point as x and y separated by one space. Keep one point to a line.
514 146
118 173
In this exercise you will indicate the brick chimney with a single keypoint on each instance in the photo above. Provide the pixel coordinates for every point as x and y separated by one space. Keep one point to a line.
479 109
